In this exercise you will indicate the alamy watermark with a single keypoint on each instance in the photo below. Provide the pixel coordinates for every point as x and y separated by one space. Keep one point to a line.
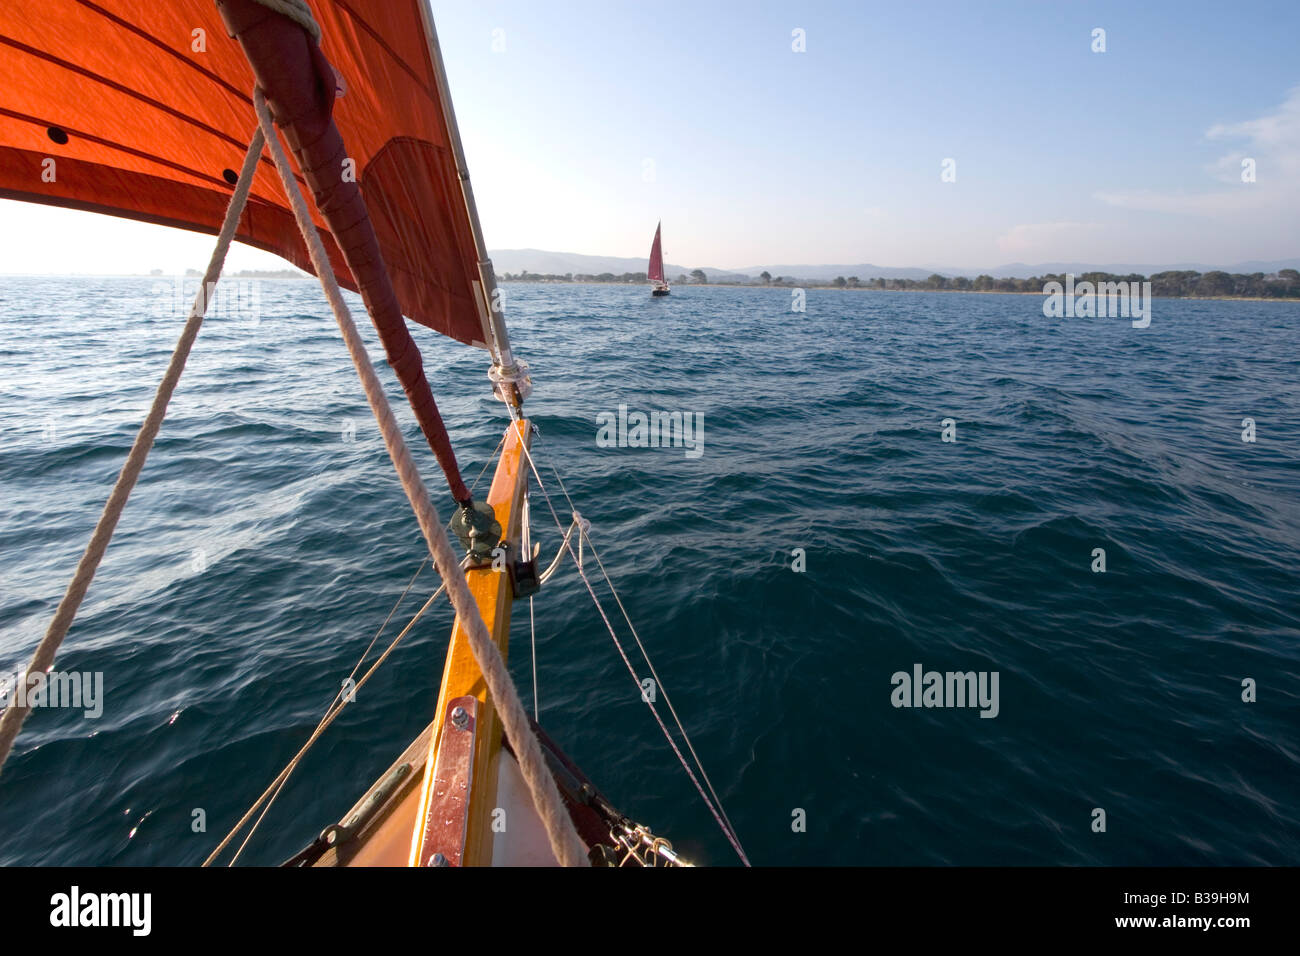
624 429
922 688
79 691
1101 300
74 908
236 300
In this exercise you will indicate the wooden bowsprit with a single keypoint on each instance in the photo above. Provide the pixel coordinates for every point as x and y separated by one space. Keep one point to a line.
453 757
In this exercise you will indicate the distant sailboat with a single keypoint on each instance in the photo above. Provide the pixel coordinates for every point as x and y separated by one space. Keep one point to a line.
656 271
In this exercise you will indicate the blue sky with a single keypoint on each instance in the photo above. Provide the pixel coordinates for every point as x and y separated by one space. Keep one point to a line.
587 122
833 155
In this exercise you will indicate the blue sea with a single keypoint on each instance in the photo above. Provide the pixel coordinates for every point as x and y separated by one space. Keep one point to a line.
825 540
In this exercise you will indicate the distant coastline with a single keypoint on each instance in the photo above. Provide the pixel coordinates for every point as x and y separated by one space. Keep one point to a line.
832 288
256 274
1282 286
1286 293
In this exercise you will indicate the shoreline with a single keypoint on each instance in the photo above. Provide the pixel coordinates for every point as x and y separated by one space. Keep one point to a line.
834 288
723 285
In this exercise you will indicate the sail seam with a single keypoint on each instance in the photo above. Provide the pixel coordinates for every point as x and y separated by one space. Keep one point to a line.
180 57
111 144
126 90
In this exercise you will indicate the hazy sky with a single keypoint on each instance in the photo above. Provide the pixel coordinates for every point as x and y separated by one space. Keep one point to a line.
587 122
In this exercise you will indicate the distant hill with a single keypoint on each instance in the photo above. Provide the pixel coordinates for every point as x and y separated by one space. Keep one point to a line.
1014 270
863 270
563 263
252 274
1020 269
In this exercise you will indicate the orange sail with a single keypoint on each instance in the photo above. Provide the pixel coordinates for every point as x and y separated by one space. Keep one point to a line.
145 110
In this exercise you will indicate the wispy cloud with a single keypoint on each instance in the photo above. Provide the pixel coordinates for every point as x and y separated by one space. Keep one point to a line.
1272 141
1191 204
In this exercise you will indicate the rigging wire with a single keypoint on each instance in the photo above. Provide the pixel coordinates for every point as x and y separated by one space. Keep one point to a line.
525 519
585 533
328 710
532 626
331 712
718 814
561 832
292 765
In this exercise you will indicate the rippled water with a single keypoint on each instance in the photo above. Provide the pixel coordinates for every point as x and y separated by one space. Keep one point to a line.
261 551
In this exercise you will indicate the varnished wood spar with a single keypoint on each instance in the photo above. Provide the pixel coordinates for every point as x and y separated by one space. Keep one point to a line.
461 675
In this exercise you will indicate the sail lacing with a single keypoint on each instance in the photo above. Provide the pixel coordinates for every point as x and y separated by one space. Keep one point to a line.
11 721
565 843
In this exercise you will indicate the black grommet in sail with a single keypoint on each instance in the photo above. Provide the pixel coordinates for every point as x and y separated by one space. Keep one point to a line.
230 176
59 136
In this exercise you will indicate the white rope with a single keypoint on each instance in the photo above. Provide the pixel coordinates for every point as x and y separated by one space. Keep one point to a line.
565 843
563 550
12 720
719 815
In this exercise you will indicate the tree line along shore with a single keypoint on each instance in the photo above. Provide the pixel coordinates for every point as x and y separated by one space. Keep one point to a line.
1177 284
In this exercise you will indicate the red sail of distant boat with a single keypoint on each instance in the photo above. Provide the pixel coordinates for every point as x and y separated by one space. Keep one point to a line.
656 270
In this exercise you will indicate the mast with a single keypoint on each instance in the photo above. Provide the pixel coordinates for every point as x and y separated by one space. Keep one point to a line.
663 270
491 313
